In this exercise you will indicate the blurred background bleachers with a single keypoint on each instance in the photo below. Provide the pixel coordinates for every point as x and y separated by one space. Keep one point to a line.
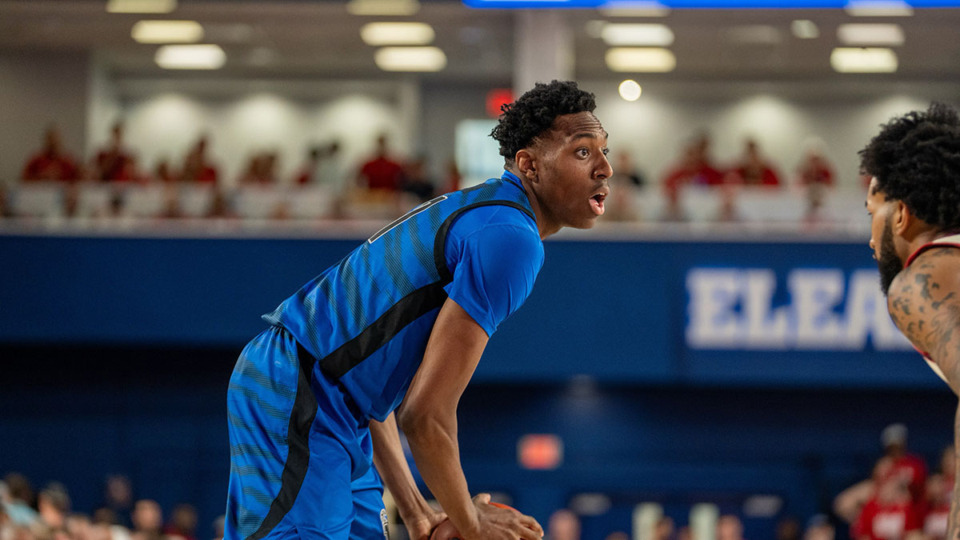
714 355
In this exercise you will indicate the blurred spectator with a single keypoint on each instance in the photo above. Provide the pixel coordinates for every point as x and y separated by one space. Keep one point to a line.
694 167
626 170
814 169
4 207
788 528
19 500
381 172
850 502
260 170
196 167
51 162
563 525
753 170
78 526
618 535
623 185
416 180
118 498
663 530
939 494
183 522
819 528
729 527
308 171
164 173
147 520
218 526
454 179
53 505
908 467
890 514
112 162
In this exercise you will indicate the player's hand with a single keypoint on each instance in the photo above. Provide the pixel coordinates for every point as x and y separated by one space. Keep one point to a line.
419 527
503 524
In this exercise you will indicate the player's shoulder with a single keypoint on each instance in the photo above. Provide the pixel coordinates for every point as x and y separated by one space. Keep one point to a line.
932 276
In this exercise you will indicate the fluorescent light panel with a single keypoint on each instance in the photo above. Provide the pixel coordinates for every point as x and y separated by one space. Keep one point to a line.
190 57
870 34
633 8
640 59
878 8
141 6
657 35
167 32
863 60
804 29
410 59
397 33
399 8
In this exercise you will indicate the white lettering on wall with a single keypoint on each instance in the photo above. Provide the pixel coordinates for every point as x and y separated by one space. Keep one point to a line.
733 308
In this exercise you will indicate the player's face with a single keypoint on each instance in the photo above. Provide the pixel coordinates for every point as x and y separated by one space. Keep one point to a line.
572 171
881 235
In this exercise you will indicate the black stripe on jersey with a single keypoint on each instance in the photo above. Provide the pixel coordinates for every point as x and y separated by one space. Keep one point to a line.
298 454
440 243
410 308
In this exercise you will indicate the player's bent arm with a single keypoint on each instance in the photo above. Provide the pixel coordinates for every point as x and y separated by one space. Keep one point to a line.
428 417
924 302
388 457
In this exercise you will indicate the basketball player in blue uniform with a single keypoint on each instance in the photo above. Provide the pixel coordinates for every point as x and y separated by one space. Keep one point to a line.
914 204
392 334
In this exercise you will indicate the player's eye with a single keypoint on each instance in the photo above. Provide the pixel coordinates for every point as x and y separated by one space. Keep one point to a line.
606 151
583 152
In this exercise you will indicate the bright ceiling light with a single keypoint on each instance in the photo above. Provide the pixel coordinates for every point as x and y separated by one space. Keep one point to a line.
878 8
753 34
656 35
640 59
410 59
633 8
167 32
190 57
141 6
397 8
863 60
870 34
397 33
630 90
804 29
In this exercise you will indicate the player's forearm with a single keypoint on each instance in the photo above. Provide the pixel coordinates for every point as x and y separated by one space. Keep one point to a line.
433 442
392 466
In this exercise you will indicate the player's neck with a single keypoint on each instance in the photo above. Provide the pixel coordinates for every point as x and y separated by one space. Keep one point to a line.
545 225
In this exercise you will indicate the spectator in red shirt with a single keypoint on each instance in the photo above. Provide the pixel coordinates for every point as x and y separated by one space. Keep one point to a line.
908 467
51 162
753 170
694 167
196 167
381 172
113 162
815 169
891 514
939 494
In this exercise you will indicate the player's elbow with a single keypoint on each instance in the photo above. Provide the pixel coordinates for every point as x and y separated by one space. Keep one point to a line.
416 422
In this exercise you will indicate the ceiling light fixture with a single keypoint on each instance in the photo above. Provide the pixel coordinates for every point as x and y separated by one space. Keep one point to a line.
630 90
863 60
410 59
640 59
397 8
397 33
167 32
633 8
141 6
190 57
870 34
657 35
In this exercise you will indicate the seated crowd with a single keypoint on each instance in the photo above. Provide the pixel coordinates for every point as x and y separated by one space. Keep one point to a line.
112 184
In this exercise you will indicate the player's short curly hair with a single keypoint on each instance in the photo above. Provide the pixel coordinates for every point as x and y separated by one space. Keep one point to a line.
534 112
916 159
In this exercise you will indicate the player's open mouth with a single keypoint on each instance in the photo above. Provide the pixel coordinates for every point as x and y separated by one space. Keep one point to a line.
596 202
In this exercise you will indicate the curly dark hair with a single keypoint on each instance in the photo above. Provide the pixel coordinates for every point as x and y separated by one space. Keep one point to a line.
522 121
916 159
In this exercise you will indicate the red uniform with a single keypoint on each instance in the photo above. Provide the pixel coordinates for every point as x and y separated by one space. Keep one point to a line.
886 521
381 173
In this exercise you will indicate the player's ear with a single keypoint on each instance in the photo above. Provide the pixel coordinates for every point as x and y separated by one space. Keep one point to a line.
903 218
527 164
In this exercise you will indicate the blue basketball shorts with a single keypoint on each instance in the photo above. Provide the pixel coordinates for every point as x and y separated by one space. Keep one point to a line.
300 454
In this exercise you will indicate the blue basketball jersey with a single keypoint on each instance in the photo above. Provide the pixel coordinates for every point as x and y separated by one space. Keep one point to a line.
367 319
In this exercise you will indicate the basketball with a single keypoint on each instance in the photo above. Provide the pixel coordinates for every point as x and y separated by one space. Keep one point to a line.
446 531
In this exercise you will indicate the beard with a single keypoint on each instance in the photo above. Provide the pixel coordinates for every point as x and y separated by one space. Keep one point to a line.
888 262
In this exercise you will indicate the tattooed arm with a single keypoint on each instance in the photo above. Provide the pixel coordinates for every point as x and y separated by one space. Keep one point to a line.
924 302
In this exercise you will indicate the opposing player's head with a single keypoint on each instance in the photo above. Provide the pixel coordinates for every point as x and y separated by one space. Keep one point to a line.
914 165
551 139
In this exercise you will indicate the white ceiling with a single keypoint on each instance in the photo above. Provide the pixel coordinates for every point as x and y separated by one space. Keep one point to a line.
316 38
